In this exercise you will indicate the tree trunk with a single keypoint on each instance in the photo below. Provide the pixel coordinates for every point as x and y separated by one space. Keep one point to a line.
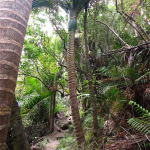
13 23
16 139
52 111
91 89
72 90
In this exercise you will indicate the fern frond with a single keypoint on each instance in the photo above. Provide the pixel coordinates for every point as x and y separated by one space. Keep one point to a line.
140 109
143 124
142 78
83 96
140 125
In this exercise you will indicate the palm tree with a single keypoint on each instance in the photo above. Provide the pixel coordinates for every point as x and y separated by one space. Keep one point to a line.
14 17
73 7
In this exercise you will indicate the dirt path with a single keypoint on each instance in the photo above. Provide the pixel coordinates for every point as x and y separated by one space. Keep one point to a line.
53 140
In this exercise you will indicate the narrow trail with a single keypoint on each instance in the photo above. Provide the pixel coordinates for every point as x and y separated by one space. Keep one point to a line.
53 140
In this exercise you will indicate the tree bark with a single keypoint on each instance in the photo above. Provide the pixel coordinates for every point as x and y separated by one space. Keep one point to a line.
14 17
72 91
16 139
91 89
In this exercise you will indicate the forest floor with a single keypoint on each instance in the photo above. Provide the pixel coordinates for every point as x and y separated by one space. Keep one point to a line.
49 141
53 140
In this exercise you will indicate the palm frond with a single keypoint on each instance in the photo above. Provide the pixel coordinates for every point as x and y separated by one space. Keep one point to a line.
82 96
64 4
82 4
42 3
33 103
73 4
142 78
141 125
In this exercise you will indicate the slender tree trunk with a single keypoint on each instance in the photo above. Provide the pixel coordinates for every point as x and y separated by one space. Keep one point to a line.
91 89
72 90
52 110
14 16
16 134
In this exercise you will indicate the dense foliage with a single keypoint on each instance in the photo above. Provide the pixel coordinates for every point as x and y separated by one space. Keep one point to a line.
118 38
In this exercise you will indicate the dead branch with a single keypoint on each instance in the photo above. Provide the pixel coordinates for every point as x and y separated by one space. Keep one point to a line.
122 14
121 50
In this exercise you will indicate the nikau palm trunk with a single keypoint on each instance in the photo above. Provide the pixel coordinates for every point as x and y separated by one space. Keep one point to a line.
72 90
14 15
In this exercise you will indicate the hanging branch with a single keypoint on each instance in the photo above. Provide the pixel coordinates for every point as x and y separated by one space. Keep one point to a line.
122 14
147 36
127 18
131 18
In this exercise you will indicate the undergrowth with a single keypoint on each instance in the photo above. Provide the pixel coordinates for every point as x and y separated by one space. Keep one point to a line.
68 142
42 143
141 124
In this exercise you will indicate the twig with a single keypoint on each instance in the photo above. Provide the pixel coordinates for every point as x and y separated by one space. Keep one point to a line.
147 137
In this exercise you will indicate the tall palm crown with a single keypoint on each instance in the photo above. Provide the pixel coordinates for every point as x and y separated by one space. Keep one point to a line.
41 3
73 7
66 5
73 4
